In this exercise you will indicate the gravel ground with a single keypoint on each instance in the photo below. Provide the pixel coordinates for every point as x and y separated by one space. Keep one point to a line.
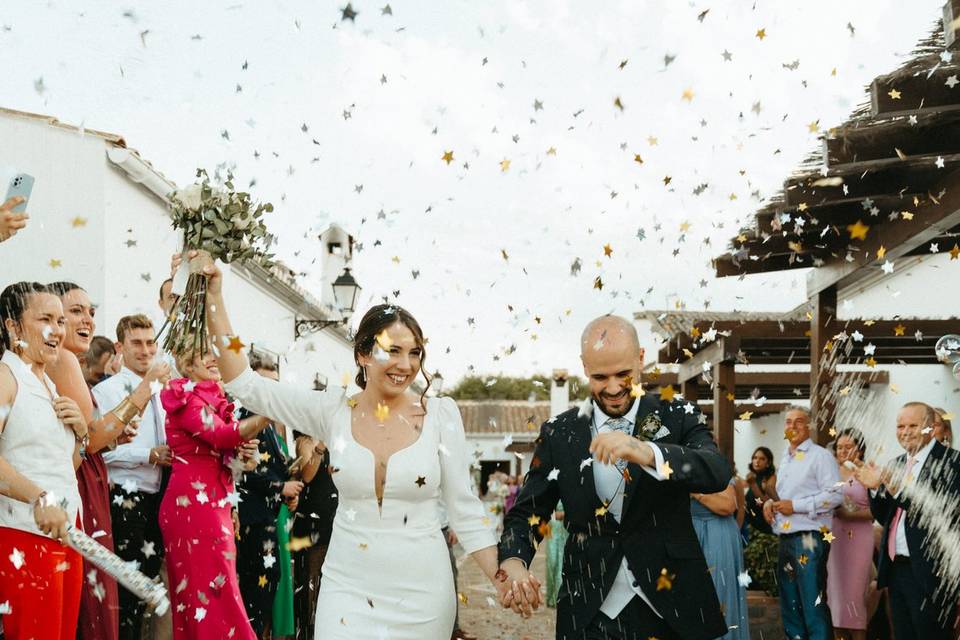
487 622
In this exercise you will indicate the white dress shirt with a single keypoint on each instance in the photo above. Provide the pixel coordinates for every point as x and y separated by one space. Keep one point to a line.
810 478
901 533
129 464
609 484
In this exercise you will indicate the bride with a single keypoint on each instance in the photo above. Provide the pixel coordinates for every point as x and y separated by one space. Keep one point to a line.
394 457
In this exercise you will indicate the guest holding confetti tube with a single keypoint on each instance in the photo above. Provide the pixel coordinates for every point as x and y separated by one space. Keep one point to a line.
41 434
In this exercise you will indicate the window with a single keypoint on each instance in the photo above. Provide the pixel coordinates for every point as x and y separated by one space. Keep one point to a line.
335 248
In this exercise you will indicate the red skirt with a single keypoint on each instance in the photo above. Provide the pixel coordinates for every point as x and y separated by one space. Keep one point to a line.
99 607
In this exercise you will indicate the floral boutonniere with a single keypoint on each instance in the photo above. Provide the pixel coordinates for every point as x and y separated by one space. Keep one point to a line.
649 427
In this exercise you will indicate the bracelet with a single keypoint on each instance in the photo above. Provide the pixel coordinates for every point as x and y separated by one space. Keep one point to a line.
126 411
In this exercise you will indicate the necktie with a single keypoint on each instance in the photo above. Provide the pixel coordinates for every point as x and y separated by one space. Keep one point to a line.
620 424
895 523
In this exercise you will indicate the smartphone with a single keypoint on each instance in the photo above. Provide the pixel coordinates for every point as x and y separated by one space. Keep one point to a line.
20 185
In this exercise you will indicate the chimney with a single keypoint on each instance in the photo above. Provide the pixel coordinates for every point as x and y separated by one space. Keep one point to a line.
336 246
559 392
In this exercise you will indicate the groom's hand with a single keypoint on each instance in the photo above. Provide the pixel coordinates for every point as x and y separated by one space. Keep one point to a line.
609 447
518 588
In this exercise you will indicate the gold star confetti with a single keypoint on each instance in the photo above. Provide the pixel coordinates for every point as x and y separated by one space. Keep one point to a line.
637 158
858 231
384 341
665 581
814 126
955 252
802 206
785 525
730 397
462 597
420 481
601 511
899 330
352 403
262 581
666 180
894 94
504 165
79 222
607 250
618 103
652 141
235 344
761 34
746 415
636 391
552 151
685 226
882 251
833 432
667 393
447 157
687 95
598 283
829 537
803 559
800 455
665 469
382 412
870 362
55 264
533 520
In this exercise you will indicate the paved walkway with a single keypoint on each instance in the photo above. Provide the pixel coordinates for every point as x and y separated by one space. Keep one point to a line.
482 617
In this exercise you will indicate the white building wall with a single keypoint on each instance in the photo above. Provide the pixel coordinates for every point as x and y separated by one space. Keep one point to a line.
74 178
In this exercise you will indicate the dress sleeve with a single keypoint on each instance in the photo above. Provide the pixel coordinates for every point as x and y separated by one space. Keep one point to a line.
465 510
304 410
199 421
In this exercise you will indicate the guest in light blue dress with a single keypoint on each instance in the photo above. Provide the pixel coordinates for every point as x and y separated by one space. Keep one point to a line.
714 519
555 544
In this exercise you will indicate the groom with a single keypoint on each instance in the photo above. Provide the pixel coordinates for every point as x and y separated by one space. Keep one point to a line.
624 467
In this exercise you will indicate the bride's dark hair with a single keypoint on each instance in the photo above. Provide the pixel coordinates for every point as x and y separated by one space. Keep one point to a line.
373 324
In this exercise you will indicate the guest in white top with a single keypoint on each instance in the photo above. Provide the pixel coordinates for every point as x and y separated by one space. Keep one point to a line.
41 436
136 469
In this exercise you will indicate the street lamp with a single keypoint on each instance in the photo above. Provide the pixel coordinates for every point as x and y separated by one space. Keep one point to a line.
436 381
345 291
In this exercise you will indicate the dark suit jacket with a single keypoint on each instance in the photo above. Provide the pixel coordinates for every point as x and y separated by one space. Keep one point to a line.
260 496
941 474
655 532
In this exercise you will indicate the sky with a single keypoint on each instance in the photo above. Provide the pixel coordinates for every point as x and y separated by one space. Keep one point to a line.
620 141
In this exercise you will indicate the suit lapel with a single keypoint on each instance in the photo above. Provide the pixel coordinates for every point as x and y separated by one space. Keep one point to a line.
580 438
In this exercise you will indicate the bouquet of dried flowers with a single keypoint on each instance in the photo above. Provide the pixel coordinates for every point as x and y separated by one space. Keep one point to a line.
229 226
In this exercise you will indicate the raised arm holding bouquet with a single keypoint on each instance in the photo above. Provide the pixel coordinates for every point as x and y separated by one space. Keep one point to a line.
228 226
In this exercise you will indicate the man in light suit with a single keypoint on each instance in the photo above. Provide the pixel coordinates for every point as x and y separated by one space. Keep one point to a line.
624 466
917 500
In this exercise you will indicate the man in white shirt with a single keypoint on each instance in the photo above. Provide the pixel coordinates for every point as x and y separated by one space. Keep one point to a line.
808 487
624 466
136 469
917 500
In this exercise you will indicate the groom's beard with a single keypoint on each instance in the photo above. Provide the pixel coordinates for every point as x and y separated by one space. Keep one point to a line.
614 406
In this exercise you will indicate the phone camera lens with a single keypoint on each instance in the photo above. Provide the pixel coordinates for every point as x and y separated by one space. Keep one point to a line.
17 181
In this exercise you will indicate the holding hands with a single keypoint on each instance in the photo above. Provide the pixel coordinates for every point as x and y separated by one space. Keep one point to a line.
517 588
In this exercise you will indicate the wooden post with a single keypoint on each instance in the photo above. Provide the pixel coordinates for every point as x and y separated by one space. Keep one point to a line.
724 379
822 323
689 391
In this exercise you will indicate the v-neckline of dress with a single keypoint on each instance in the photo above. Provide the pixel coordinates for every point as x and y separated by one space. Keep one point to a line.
386 463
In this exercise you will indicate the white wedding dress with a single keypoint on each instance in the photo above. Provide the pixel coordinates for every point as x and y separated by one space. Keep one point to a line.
387 572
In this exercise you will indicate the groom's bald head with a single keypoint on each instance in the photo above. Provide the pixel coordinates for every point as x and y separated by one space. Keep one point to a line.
612 359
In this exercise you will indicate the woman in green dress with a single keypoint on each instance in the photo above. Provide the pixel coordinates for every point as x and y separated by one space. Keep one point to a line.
283 601
555 545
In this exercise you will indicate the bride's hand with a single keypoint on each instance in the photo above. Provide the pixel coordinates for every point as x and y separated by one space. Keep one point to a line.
200 262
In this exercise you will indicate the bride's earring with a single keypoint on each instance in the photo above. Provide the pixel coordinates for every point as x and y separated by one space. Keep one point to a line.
363 374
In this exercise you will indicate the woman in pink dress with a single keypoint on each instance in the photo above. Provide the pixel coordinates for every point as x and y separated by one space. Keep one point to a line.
195 514
850 564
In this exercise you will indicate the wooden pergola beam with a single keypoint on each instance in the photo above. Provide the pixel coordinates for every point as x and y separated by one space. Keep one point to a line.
898 238
822 327
897 93
724 349
740 408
